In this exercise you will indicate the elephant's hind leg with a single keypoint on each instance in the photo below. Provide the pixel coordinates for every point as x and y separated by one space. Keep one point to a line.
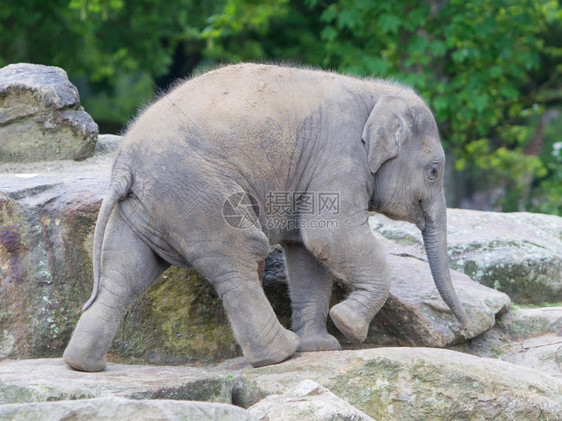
128 269
233 271
310 287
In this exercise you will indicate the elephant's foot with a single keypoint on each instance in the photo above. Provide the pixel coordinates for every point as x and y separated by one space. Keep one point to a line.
284 344
82 359
318 342
87 348
349 321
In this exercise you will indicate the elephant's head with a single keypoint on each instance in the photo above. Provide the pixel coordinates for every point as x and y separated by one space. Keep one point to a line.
406 157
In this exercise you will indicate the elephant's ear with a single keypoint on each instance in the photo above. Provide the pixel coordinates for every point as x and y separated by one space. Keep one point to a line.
384 131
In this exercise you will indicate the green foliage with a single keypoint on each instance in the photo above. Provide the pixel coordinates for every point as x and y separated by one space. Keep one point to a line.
505 167
128 93
240 16
548 195
111 42
272 30
487 68
497 351
468 59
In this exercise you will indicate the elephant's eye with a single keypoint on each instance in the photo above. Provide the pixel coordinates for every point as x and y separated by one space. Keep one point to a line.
433 171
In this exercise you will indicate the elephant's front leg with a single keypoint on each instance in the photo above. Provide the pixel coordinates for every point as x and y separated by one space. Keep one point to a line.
310 288
351 252
129 267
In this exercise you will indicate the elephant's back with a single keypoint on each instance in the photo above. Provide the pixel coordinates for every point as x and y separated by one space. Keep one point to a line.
241 108
253 94
239 102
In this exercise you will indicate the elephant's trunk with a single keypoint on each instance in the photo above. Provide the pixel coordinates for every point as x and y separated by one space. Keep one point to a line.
435 241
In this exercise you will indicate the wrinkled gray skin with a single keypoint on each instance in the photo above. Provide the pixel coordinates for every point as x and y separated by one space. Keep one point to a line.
259 129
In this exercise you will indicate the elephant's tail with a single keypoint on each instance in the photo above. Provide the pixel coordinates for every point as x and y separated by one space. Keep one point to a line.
119 186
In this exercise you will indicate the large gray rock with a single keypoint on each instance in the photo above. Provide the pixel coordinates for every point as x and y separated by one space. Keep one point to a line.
41 117
517 253
123 409
47 214
306 401
415 314
411 384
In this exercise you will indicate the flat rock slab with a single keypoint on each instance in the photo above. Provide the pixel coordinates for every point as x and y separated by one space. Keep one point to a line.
306 401
114 408
517 253
412 384
543 352
529 322
41 117
531 337
24 381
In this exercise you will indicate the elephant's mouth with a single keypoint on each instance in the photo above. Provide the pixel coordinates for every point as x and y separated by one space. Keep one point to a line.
414 213
373 205
420 217
414 216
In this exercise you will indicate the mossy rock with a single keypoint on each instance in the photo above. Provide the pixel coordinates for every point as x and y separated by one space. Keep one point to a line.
179 320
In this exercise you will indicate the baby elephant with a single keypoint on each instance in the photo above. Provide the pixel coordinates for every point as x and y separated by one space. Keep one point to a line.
251 155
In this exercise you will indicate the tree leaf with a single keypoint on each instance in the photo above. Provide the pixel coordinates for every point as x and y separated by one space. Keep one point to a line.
437 48
389 23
